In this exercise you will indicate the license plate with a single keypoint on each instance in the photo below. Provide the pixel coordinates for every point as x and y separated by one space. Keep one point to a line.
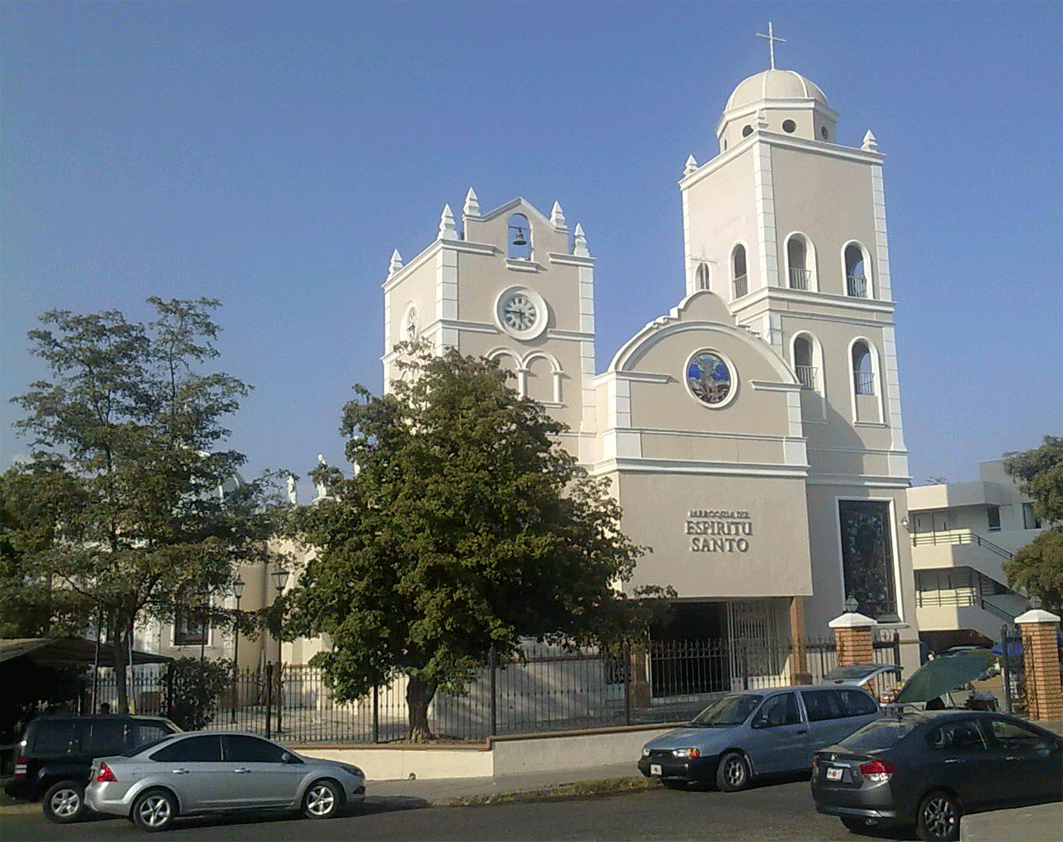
834 773
655 769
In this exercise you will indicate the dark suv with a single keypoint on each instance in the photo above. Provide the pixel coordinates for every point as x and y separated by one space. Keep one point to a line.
54 758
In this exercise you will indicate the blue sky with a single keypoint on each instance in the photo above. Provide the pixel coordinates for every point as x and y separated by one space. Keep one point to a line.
273 154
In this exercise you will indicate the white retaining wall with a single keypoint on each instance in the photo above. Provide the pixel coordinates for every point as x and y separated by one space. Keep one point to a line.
499 756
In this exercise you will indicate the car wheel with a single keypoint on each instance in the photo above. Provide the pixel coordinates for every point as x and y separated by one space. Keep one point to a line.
938 819
64 802
323 800
154 810
733 772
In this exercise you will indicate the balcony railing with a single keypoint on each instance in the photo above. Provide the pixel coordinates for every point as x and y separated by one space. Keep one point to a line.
959 599
864 381
806 375
741 285
800 278
964 536
857 286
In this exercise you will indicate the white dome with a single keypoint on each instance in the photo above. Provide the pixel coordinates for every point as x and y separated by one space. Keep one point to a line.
774 84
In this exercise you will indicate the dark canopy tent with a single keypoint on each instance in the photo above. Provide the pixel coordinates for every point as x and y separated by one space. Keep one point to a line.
52 670
68 651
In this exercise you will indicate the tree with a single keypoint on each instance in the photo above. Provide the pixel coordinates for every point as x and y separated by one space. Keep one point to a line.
1040 472
138 507
465 527
1037 568
29 607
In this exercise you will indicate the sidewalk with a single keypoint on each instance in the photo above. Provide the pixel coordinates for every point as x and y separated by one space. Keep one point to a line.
440 791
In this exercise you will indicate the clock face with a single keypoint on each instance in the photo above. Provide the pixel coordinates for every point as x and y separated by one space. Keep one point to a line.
411 324
519 312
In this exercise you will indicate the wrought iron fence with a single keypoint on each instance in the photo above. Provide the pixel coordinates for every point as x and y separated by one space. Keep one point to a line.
544 688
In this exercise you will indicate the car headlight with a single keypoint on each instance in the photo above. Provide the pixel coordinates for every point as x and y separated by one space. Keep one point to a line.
351 770
645 752
686 752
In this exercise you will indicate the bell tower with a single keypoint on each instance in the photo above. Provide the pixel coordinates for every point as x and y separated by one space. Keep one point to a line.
512 285
788 227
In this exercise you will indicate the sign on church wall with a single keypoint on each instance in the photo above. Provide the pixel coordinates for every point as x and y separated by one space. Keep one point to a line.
719 536
719 531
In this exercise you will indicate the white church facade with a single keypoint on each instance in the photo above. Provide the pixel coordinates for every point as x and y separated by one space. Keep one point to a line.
753 434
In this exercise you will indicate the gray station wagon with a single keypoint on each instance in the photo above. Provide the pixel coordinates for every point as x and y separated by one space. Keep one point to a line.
763 732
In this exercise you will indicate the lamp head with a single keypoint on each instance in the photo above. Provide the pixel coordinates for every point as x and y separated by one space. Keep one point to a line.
280 578
851 604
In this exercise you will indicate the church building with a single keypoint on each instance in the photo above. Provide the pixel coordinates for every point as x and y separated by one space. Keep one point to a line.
753 434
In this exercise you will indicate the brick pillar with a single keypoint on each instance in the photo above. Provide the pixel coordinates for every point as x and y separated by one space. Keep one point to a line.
799 663
852 634
1041 656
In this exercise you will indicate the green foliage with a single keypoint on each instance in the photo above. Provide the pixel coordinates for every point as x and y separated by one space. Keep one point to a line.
197 687
28 523
129 502
465 527
1037 568
1040 472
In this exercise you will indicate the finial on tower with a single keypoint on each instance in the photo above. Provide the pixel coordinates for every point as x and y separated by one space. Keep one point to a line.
690 166
472 204
870 144
771 43
447 229
396 263
557 217
579 243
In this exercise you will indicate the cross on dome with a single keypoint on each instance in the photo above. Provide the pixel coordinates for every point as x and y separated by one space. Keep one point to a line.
771 43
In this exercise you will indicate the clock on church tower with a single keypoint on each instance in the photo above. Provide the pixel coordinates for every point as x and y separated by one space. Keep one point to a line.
521 312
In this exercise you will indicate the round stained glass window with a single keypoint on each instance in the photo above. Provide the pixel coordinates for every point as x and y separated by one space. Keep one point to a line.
710 378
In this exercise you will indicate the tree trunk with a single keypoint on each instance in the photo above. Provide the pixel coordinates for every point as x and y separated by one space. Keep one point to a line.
419 695
120 647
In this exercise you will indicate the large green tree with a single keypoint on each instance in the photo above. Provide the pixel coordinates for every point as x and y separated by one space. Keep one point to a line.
130 503
465 527
1037 568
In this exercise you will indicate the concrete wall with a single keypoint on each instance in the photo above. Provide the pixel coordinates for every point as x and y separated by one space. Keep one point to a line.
499 756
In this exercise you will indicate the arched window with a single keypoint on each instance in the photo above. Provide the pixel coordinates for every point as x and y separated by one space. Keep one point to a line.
805 363
701 277
855 274
797 261
738 270
520 235
863 372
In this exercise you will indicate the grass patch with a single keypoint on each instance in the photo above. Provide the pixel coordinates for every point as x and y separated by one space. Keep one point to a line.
580 789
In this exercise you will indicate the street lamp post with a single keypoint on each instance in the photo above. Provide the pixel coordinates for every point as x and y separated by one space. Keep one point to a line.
280 579
238 591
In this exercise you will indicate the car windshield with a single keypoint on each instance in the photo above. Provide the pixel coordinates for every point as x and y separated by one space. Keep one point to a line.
730 710
882 733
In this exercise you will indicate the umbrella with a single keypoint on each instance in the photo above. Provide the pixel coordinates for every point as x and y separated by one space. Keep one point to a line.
943 675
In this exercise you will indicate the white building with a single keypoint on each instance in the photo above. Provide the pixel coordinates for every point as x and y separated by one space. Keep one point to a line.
753 434
961 534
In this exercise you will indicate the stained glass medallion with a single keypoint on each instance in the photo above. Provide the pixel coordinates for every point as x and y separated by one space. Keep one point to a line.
710 378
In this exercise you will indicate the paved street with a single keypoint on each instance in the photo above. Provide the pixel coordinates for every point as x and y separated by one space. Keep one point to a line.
776 812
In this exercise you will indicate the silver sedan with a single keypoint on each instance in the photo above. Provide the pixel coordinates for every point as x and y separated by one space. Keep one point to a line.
216 772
